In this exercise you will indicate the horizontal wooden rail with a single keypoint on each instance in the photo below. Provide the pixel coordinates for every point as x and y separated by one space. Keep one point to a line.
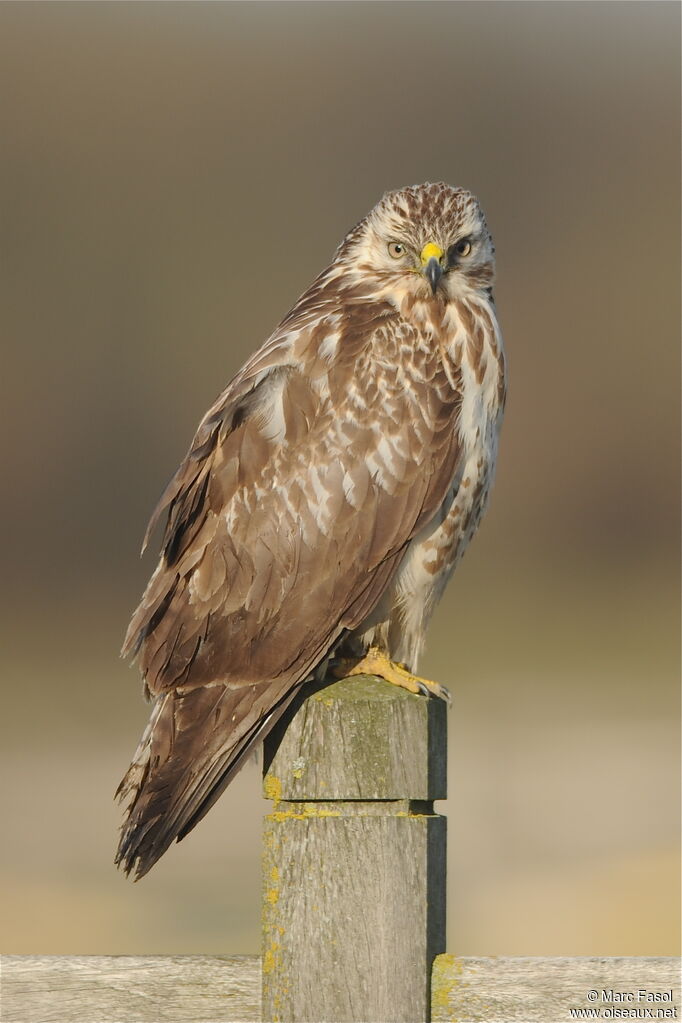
226 989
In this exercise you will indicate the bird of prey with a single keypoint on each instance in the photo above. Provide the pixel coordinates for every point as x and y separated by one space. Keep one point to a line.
324 501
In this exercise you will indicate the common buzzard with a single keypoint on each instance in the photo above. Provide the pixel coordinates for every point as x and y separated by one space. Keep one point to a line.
323 504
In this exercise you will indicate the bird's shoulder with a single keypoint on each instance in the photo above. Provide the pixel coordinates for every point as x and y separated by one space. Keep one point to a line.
271 401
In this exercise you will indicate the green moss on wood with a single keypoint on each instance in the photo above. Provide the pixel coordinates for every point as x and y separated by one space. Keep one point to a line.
361 688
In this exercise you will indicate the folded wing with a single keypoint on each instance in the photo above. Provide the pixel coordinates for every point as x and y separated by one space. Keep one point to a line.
286 521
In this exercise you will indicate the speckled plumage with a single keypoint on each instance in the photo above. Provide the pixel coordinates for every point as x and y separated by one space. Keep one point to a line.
323 504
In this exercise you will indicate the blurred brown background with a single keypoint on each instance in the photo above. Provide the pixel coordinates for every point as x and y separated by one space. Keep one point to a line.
173 176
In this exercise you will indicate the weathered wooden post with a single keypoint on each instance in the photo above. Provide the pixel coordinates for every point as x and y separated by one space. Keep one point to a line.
354 856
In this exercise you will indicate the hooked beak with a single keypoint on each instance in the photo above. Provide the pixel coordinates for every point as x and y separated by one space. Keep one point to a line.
433 272
432 268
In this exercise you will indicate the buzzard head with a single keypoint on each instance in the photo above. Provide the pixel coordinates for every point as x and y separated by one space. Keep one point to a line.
426 242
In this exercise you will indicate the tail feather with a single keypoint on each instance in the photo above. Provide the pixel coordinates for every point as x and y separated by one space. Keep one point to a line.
194 744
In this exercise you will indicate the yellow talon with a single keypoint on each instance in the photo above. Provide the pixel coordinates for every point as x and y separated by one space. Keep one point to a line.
377 662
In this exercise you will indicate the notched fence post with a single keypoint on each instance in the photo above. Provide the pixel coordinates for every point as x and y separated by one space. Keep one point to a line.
354 856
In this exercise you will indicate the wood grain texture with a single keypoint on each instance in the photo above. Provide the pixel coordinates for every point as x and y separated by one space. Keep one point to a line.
354 913
360 738
354 857
226 989
545 990
129 989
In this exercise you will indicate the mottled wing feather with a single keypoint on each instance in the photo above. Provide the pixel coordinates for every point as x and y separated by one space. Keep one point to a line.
286 521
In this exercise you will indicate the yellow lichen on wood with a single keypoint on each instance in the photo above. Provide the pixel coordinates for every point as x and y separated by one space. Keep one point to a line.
307 812
272 788
271 957
272 894
445 974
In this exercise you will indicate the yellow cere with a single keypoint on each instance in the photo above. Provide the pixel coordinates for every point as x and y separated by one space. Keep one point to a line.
430 251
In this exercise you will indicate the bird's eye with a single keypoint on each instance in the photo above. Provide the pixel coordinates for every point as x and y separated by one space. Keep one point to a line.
463 247
396 249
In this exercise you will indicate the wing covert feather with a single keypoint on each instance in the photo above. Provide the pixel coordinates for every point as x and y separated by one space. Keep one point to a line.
294 491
